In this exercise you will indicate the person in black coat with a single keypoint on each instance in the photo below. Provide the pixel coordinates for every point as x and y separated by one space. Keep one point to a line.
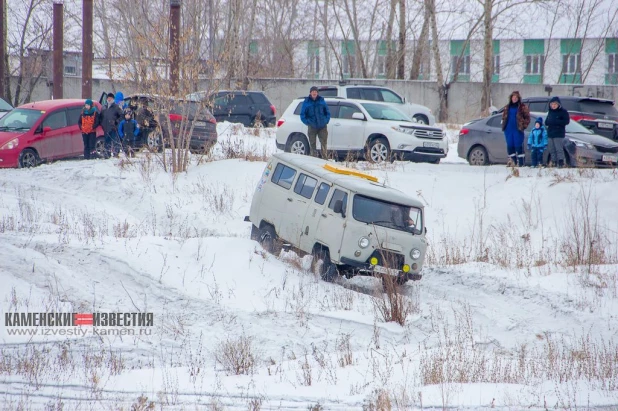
556 121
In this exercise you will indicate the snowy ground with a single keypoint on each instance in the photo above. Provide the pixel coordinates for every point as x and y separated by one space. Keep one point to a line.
517 309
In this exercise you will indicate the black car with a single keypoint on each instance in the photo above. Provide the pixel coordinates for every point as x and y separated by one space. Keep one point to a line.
597 114
482 142
187 115
250 108
4 107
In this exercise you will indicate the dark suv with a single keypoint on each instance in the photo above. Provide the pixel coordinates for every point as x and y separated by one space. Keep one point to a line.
597 114
251 108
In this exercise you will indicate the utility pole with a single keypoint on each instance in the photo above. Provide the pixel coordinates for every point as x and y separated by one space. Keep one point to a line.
3 75
58 61
87 49
174 45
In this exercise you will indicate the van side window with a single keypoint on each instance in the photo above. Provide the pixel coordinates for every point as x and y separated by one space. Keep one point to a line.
338 195
283 176
305 186
320 197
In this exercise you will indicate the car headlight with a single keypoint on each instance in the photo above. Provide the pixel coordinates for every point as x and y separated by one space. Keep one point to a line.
403 130
363 242
582 144
10 144
415 253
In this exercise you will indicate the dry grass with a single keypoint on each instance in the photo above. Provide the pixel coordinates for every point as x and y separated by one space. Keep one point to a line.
238 355
393 305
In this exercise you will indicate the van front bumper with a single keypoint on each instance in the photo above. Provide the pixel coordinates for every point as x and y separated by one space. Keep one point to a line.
379 270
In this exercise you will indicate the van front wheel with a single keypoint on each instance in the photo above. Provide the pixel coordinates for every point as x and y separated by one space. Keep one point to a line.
267 237
322 266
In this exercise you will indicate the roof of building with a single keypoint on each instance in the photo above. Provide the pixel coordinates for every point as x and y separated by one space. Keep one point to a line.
357 185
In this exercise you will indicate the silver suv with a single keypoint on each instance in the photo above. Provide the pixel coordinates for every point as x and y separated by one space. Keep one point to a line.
416 112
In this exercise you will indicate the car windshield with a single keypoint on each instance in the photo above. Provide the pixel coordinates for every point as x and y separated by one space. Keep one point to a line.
4 106
399 217
384 112
598 107
20 119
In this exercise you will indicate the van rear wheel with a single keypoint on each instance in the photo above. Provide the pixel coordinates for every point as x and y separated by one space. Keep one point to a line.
267 237
322 266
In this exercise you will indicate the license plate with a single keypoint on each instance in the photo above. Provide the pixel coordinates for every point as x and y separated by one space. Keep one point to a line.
613 159
384 270
434 145
199 124
605 125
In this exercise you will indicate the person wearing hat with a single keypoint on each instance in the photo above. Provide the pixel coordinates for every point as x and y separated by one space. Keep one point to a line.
110 118
515 119
556 122
88 122
128 128
315 115
537 142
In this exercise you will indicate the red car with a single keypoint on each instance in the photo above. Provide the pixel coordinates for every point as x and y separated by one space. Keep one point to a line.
44 130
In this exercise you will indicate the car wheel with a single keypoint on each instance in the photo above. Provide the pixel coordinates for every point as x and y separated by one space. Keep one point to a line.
154 141
267 237
28 158
420 119
322 266
478 157
379 151
299 145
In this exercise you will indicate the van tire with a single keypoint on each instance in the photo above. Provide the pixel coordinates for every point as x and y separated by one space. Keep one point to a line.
322 265
267 237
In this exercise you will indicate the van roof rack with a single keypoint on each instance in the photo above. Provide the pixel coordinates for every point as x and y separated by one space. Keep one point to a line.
349 172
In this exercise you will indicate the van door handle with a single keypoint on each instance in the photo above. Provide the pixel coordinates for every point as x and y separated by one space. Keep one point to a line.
337 124
306 230
323 215
289 199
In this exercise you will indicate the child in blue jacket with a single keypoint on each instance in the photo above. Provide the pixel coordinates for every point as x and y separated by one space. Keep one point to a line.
537 142
128 127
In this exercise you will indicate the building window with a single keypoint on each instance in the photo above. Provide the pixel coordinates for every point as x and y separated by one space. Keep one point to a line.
534 64
496 62
70 70
381 65
349 63
460 65
612 63
314 64
571 64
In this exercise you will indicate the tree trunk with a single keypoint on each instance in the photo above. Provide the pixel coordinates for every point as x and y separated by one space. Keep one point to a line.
419 50
245 80
390 67
442 86
488 66
352 17
401 54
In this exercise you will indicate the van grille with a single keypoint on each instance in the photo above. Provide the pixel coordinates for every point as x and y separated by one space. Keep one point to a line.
388 259
436 135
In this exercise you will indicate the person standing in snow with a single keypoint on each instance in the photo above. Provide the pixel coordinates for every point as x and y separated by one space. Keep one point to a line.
110 118
88 122
315 115
129 128
556 121
515 119
537 142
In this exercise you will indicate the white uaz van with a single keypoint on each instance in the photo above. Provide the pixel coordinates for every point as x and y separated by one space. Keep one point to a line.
345 219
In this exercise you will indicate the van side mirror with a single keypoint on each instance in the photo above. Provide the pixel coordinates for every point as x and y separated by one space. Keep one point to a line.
358 116
338 208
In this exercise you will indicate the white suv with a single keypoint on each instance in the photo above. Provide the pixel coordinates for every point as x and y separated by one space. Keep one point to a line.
416 112
376 131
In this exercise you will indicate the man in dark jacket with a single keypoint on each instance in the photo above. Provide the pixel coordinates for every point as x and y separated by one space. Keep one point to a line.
315 115
515 119
110 118
556 121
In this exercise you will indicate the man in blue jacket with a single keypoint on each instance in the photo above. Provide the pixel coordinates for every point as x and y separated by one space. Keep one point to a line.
315 115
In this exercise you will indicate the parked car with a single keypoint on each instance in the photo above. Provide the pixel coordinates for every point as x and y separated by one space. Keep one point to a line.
183 114
482 142
251 108
364 129
347 222
418 113
5 107
597 114
41 131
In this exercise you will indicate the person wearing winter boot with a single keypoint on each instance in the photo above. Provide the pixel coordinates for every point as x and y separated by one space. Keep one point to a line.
128 130
537 142
556 121
515 119
88 122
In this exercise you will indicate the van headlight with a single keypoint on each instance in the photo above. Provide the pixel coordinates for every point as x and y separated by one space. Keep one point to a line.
415 253
363 242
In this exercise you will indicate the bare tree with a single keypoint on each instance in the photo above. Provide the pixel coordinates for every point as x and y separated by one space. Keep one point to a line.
401 52
421 46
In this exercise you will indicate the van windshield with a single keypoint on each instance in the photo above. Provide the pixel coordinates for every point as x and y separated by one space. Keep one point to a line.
397 216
